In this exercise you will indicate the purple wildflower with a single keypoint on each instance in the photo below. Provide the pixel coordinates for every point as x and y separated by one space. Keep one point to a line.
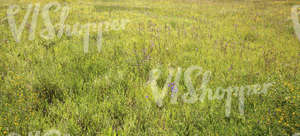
172 85
174 89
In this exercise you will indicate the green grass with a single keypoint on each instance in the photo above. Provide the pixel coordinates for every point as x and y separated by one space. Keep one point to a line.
53 84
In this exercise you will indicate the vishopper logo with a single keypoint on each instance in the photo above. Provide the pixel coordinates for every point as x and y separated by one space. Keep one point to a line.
295 17
192 96
52 132
51 30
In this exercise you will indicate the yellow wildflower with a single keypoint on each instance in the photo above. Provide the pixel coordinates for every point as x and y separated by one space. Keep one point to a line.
278 109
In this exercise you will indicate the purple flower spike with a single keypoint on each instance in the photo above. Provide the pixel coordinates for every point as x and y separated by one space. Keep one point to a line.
147 96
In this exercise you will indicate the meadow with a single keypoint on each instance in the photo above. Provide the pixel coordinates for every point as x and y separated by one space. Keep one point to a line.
56 84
